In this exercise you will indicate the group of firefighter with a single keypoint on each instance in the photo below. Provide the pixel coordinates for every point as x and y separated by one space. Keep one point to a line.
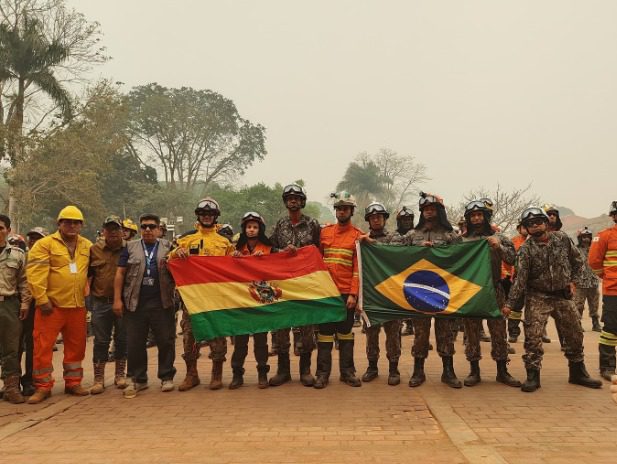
46 285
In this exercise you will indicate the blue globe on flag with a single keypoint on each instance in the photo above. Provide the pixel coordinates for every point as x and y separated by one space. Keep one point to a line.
426 291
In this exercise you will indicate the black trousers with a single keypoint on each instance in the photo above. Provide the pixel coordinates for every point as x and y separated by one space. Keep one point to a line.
161 321
260 348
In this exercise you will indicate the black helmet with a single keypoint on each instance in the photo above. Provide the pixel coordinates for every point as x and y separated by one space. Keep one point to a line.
479 205
427 199
295 189
533 212
207 206
613 208
376 208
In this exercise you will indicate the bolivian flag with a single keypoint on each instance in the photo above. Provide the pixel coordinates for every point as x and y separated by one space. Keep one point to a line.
252 294
403 282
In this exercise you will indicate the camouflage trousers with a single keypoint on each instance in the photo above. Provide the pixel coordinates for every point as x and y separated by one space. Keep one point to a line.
592 295
393 341
443 333
538 307
499 342
307 339
218 346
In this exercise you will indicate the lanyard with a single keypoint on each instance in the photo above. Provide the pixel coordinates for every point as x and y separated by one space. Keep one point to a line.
149 256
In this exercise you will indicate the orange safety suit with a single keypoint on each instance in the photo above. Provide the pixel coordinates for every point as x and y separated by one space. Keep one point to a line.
603 259
507 269
338 246
265 249
56 277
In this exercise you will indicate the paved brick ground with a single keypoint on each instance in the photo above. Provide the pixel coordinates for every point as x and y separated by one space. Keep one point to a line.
376 423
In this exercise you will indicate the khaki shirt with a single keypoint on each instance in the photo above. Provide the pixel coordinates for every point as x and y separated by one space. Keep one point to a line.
103 264
13 275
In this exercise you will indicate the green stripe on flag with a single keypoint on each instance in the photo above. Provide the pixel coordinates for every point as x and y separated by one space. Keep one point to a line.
239 321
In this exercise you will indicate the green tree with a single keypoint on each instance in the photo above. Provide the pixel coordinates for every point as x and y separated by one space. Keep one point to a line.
192 136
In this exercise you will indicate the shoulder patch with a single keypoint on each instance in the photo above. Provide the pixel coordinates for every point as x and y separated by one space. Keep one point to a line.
595 239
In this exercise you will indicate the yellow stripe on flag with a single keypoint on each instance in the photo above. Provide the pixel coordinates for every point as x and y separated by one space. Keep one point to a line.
200 298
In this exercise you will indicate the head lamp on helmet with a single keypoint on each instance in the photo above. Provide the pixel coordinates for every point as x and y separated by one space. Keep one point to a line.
533 213
207 206
343 198
427 199
375 208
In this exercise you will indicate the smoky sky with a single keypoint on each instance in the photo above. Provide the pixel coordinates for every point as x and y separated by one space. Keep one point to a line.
481 92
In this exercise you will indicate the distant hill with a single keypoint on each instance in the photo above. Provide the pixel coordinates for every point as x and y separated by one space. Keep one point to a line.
572 223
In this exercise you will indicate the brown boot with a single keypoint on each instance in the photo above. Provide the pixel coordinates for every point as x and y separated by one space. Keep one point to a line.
39 396
11 390
99 378
76 390
192 378
120 376
216 381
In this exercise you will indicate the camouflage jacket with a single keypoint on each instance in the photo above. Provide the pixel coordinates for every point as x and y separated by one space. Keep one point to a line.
438 236
380 237
505 253
306 232
394 238
547 268
587 279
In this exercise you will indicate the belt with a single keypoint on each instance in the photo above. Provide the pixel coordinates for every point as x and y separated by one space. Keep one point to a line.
5 298
104 299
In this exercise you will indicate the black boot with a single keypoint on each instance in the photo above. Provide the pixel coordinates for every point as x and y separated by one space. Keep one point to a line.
503 376
449 376
262 376
533 381
346 366
394 376
324 364
607 361
417 377
306 377
238 379
282 371
595 324
371 371
579 376
474 374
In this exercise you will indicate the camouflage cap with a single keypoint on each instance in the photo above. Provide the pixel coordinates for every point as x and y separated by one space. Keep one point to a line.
38 231
112 219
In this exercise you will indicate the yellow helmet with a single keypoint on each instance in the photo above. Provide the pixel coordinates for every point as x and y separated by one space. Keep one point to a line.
71 212
129 224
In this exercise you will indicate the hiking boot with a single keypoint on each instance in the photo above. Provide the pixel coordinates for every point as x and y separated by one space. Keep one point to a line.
418 377
262 376
216 380
503 376
76 390
120 374
283 374
371 372
11 390
238 379
306 377
448 375
99 378
533 381
39 396
580 376
473 378
394 376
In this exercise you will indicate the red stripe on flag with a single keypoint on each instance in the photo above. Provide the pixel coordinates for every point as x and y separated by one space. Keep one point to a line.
277 266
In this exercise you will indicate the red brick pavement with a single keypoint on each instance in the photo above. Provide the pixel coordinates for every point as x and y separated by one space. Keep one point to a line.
375 423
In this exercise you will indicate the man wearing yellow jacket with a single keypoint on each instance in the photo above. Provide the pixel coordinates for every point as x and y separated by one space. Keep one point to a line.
204 241
57 274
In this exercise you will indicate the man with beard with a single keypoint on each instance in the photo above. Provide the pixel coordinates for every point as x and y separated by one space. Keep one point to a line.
377 215
603 262
433 230
547 265
205 241
294 231
587 285
478 227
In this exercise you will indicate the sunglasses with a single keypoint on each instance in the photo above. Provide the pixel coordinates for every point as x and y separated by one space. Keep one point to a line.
148 226
534 222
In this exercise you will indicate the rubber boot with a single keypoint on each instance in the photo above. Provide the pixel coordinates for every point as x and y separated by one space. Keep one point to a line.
449 376
282 371
595 324
580 376
262 376
371 371
394 376
120 374
533 381
39 396
216 381
324 364
306 377
238 378
473 378
346 365
11 390
607 361
99 378
503 376
192 378
417 377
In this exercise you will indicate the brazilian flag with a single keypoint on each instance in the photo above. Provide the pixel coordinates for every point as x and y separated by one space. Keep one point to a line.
450 281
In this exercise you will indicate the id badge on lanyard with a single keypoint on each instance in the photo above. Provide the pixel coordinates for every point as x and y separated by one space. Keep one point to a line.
148 280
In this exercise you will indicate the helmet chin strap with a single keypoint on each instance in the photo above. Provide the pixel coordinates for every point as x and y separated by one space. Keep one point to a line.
207 226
